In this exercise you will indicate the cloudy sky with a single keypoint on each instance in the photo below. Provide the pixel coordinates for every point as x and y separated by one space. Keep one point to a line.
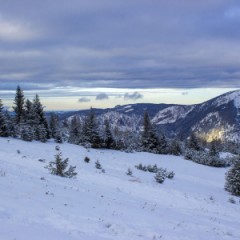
82 53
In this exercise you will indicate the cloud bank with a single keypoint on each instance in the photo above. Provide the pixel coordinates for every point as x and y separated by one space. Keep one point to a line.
84 99
102 96
132 96
119 44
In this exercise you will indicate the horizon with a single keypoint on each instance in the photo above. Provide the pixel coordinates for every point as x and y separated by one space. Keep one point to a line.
119 97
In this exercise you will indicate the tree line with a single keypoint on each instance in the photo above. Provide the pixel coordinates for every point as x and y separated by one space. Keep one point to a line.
28 121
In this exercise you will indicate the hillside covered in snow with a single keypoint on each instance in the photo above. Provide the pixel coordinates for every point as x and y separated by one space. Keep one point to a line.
109 204
217 118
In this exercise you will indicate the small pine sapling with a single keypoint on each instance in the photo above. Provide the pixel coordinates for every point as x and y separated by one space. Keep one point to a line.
98 165
70 173
170 175
159 177
139 166
57 148
86 159
211 198
232 200
59 167
129 172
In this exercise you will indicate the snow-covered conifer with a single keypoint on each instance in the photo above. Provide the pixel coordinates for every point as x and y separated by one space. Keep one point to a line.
108 137
129 172
41 133
174 148
86 159
19 105
75 131
27 133
54 124
162 148
98 165
3 123
213 149
59 167
232 183
159 177
193 143
29 113
149 139
90 130
40 122
58 136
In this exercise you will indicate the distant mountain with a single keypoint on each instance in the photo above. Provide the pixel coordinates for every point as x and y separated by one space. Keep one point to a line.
217 118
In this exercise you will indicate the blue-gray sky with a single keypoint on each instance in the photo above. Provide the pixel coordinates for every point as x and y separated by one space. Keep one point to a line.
116 51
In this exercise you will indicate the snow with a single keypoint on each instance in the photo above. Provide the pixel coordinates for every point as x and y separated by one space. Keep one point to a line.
237 102
129 110
232 96
120 120
128 106
37 205
172 114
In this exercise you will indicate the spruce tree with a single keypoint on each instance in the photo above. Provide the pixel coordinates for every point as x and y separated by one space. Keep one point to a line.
3 124
54 128
118 138
19 106
193 143
146 130
162 144
58 136
175 148
59 167
108 138
10 123
42 134
90 130
213 149
40 121
75 131
149 139
27 133
29 113
232 183
27 127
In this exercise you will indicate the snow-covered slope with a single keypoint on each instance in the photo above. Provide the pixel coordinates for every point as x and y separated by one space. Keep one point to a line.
228 97
120 120
218 118
37 205
220 115
171 114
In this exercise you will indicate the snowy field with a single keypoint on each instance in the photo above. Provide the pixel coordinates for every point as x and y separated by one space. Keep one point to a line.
35 205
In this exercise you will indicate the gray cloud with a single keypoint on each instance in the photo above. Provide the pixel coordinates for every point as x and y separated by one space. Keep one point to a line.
102 96
185 93
84 99
119 44
133 96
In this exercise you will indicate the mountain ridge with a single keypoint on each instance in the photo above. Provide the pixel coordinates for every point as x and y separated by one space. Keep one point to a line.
217 118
